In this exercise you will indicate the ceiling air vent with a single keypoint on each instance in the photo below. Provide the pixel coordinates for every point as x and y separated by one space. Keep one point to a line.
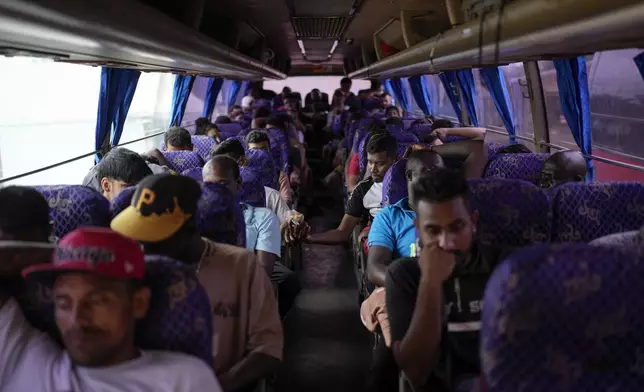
329 27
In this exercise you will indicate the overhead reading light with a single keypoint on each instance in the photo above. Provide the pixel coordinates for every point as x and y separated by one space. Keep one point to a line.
335 45
301 45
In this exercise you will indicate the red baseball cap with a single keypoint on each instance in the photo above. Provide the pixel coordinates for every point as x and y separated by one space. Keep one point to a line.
94 250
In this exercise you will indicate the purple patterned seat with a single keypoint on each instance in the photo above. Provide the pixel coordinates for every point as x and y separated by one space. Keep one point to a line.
422 131
362 154
582 212
394 185
219 215
122 201
252 190
180 316
262 163
512 213
279 148
564 318
631 240
229 130
492 148
204 145
525 167
74 206
180 161
196 173
453 138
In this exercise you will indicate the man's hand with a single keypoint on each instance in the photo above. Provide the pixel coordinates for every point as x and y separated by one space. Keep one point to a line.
436 264
299 232
441 133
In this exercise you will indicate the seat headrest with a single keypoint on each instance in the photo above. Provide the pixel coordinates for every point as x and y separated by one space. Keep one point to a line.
204 145
511 212
582 212
122 201
394 184
262 163
564 318
73 206
180 161
526 167
219 215
196 173
180 316
252 189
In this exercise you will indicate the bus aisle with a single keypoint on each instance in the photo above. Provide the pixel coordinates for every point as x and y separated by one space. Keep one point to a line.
326 346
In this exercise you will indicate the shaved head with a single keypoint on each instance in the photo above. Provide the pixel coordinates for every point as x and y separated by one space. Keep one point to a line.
224 170
562 167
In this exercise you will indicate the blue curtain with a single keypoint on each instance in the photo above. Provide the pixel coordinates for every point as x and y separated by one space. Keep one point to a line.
232 94
572 81
180 94
639 61
399 93
450 84
212 91
114 99
467 87
418 86
495 82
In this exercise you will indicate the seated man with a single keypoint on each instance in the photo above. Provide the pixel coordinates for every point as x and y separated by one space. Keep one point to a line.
24 215
119 169
258 140
223 120
96 306
234 149
365 202
247 104
562 167
353 175
178 139
387 100
259 118
392 112
247 340
236 113
205 128
262 232
434 301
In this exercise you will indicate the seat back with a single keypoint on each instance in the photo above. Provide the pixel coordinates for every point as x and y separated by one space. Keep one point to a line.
512 213
394 184
422 131
525 167
492 148
582 212
631 240
122 201
196 173
252 190
229 130
180 316
204 145
74 206
279 148
564 318
219 215
262 163
180 161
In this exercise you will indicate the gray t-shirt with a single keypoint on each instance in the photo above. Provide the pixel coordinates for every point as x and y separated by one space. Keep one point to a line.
31 361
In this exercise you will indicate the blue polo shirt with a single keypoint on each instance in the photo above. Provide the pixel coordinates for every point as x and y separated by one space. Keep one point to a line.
393 228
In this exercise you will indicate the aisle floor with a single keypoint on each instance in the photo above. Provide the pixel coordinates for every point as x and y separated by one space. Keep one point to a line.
327 348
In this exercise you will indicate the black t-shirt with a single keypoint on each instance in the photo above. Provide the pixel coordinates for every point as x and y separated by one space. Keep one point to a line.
366 200
462 296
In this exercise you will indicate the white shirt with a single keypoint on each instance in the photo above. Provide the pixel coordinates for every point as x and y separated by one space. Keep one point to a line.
372 200
31 362
276 204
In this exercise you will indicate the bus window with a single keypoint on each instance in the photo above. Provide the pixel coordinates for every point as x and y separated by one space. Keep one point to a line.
489 115
48 115
194 106
438 97
617 113
560 134
415 110
304 85
221 104
149 112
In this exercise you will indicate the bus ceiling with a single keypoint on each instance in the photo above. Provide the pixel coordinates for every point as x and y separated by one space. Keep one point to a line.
120 32
520 31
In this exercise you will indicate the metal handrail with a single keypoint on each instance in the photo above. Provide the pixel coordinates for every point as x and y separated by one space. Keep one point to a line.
89 154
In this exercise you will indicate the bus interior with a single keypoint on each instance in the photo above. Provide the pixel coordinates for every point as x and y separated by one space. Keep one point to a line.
527 80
